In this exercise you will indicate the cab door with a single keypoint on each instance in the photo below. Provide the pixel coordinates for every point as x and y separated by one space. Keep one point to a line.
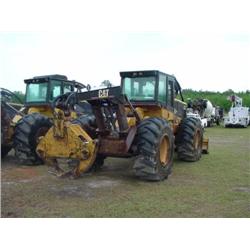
162 89
170 92
55 89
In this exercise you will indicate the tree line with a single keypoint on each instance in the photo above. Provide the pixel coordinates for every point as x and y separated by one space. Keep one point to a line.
216 98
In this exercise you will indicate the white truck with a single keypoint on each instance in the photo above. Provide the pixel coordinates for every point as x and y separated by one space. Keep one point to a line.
238 116
204 110
211 114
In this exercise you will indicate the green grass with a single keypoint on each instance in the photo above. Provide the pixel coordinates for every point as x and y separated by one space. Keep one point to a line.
216 186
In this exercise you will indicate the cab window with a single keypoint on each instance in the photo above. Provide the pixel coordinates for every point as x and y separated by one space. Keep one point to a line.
67 88
139 88
171 92
55 89
162 93
36 92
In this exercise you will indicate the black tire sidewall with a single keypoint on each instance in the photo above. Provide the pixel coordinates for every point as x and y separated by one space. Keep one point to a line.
29 126
149 135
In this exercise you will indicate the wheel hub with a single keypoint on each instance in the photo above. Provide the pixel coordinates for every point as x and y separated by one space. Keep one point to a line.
164 150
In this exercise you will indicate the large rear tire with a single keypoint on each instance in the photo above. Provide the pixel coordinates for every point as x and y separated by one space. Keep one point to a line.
155 145
189 140
27 132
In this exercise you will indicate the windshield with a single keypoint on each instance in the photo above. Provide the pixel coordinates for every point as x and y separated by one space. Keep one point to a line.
36 92
140 88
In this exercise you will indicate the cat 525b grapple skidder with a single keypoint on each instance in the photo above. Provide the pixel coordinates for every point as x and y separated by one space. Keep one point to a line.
144 118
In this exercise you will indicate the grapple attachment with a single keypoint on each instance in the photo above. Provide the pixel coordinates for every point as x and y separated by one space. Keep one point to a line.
67 148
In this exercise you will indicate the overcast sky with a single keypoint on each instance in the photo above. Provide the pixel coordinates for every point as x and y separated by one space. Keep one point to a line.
205 46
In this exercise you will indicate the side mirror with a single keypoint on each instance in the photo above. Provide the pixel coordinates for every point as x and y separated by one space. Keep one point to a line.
88 87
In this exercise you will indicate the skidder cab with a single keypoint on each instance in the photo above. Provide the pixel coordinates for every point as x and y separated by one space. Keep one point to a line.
41 91
38 112
144 117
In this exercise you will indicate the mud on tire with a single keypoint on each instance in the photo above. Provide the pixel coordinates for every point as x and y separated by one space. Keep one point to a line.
155 145
189 140
27 132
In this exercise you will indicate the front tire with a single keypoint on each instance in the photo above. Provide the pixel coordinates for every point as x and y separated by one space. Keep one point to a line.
27 132
155 145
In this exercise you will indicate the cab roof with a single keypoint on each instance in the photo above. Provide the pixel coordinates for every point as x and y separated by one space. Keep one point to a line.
56 76
145 73
47 78
142 73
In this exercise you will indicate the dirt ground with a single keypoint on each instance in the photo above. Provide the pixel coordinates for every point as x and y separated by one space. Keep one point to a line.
216 186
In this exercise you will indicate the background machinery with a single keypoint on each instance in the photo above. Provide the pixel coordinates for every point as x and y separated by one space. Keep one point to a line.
10 106
205 111
35 117
238 116
144 118
212 114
